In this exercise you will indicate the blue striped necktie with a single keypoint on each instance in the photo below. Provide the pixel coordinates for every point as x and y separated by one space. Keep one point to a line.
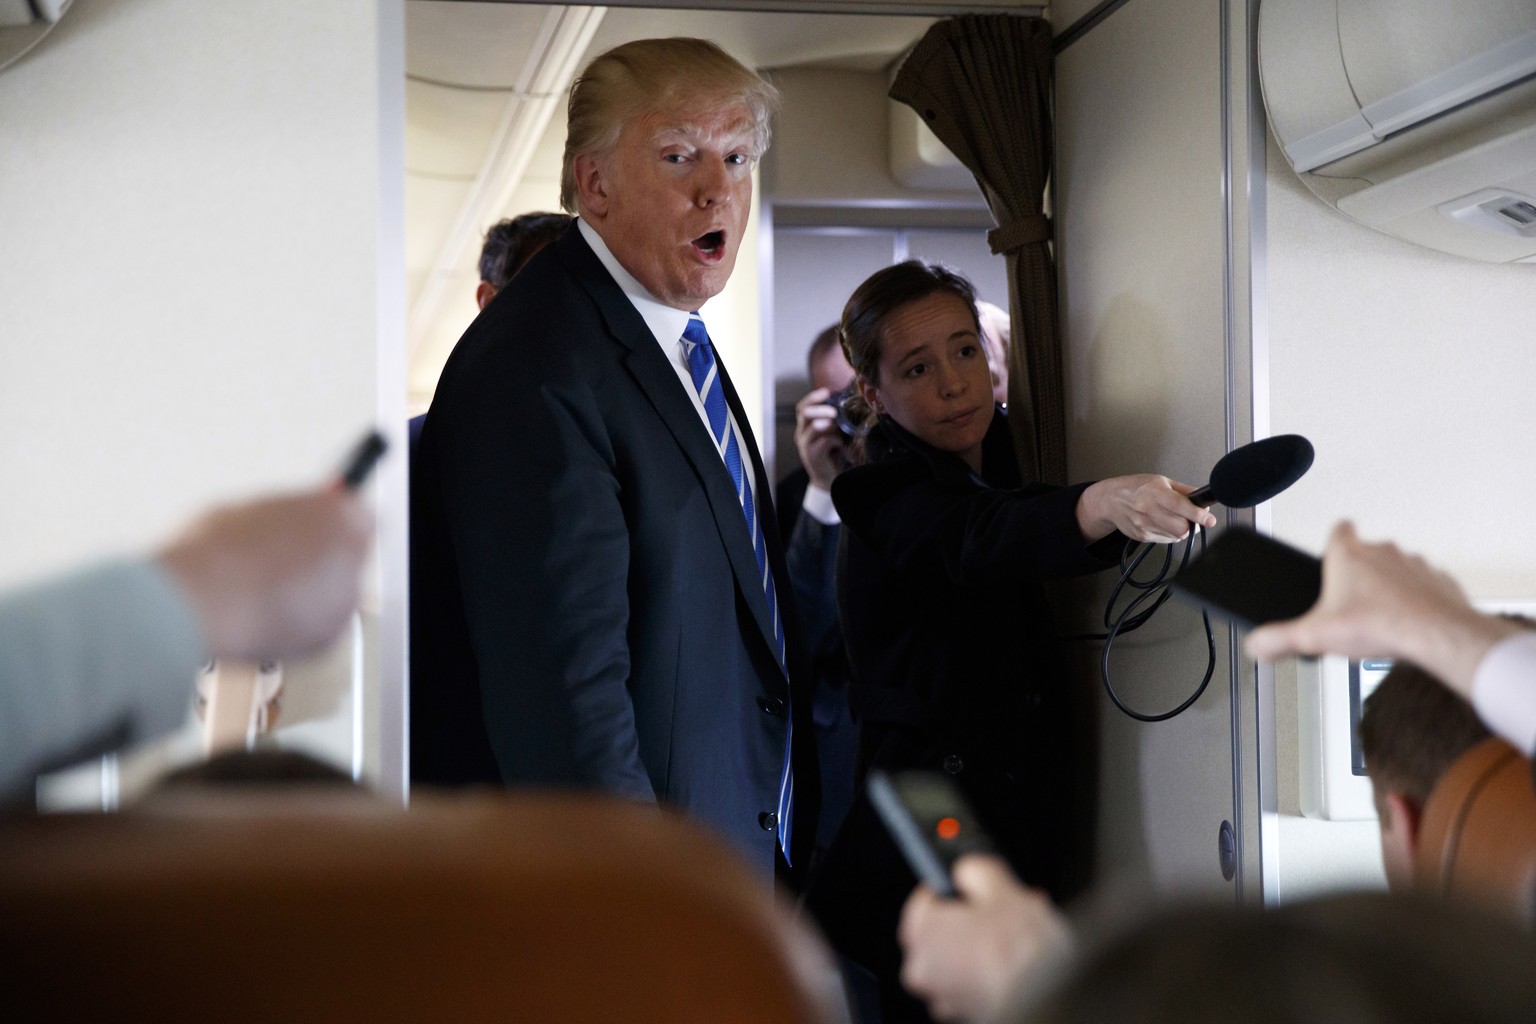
706 379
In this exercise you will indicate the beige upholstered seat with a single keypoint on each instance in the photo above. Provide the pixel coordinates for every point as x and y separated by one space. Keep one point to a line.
1477 839
328 905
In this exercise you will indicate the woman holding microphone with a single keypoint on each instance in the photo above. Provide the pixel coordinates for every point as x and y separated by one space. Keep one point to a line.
956 663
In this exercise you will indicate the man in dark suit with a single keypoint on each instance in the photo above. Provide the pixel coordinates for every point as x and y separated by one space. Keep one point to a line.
509 245
604 599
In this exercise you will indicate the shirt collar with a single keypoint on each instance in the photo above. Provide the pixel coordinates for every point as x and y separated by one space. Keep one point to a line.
665 322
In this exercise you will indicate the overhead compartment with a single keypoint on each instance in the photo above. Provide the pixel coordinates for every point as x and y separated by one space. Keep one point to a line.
23 24
1413 117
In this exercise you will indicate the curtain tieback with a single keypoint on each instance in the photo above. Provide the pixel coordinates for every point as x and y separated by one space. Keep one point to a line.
1019 232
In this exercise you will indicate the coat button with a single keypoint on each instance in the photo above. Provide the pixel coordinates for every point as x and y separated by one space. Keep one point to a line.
953 764
771 705
768 821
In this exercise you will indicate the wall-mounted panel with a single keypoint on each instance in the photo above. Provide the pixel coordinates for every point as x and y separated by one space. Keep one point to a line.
1141 228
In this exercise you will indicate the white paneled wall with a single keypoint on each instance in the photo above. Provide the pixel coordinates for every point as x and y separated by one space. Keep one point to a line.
201 278
1411 372
1140 228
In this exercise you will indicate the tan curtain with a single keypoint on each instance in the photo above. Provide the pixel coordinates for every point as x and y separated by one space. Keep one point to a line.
981 82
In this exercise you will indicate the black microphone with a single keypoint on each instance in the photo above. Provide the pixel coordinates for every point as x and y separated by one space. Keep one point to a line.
1256 472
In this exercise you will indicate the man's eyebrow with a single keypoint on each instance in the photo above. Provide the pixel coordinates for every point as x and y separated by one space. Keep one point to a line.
689 132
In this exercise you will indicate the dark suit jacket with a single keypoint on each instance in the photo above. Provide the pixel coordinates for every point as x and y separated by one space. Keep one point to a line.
587 610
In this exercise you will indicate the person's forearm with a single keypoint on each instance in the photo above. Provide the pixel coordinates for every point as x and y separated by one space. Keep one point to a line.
1451 646
103 656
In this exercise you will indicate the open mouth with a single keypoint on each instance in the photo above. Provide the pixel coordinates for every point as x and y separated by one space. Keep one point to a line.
711 244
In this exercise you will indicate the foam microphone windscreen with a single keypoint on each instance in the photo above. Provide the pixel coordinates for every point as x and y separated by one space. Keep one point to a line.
1256 472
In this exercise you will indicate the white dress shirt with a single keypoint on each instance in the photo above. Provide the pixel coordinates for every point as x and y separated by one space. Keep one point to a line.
817 504
666 326
1504 690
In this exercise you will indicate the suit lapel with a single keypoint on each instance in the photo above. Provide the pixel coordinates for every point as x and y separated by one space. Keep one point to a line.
664 390
660 384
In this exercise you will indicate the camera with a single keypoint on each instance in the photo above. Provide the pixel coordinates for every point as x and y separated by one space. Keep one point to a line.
846 425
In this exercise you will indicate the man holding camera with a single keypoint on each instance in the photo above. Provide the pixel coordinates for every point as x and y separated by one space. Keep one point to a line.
809 525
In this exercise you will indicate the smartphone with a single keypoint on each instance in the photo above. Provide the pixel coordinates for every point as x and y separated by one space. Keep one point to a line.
362 460
1251 579
930 821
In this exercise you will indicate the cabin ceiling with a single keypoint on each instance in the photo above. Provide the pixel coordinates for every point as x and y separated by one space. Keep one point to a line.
485 92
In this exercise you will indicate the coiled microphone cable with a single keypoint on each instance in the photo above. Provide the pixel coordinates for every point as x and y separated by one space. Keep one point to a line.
1136 613
1242 478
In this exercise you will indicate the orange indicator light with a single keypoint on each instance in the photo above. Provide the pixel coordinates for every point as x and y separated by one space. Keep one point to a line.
947 828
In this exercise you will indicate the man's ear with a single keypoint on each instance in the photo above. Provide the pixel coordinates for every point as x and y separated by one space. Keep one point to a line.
484 292
1401 828
591 185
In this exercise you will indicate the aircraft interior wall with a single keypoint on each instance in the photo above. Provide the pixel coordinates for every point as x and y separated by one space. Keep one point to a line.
1407 368
1410 371
202 281
837 215
1141 228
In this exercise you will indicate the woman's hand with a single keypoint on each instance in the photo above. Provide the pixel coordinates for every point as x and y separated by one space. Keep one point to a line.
1144 507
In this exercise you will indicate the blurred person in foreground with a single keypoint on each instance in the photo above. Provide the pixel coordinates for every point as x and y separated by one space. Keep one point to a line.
964 957
1365 958
105 655
1003 954
1412 729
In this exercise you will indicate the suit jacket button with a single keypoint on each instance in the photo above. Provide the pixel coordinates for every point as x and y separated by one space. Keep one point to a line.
771 705
953 764
768 821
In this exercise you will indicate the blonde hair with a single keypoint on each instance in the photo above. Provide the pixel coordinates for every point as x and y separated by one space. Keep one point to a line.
646 75
995 330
